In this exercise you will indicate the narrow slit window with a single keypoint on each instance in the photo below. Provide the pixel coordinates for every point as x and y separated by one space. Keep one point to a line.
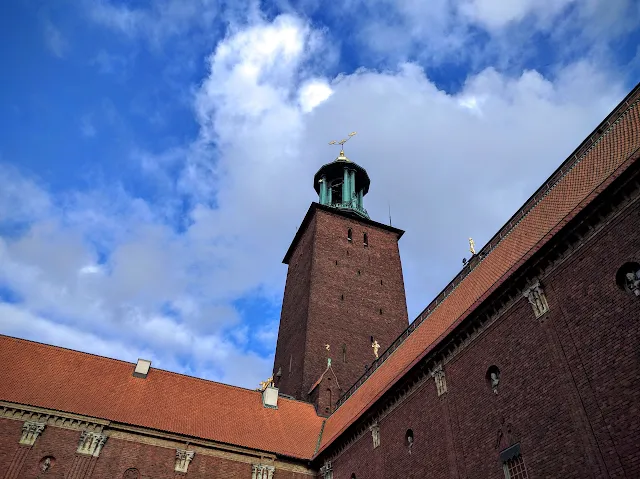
349 235
366 240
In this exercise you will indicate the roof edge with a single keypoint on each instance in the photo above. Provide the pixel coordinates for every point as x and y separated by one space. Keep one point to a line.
317 206
133 365
487 296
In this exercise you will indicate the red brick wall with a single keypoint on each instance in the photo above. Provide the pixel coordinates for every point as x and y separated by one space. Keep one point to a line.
10 432
370 281
53 441
115 458
570 384
293 326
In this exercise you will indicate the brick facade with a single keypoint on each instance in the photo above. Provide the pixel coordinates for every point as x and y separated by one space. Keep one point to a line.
150 457
543 371
569 387
341 293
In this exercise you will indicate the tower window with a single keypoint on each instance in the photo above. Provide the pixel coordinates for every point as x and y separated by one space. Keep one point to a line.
366 240
380 310
342 297
344 353
336 262
349 234
358 272
380 282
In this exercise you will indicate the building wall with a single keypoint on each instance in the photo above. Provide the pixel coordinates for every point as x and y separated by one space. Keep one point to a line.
569 390
292 330
347 298
152 458
353 292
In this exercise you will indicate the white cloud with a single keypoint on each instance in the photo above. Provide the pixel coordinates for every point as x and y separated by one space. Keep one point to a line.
54 40
165 19
312 93
496 14
87 128
109 269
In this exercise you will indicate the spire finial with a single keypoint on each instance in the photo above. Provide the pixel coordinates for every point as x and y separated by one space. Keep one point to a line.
341 143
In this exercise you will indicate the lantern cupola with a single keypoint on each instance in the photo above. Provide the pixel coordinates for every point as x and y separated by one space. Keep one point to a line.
342 183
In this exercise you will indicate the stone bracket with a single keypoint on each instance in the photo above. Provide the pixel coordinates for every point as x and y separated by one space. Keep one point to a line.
30 432
91 443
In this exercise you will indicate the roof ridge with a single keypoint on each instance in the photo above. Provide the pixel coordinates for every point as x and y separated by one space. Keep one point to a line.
53 346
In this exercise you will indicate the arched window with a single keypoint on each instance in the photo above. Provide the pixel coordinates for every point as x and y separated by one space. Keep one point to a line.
628 278
365 240
349 234
353 476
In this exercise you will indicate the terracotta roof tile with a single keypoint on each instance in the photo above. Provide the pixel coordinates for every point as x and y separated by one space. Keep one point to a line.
65 380
572 191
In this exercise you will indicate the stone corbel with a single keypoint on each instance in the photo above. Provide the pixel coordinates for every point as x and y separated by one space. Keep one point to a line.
262 471
536 297
440 379
91 443
30 432
183 459
375 434
327 470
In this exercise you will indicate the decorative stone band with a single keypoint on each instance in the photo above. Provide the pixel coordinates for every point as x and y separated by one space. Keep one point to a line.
262 471
30 432
537 299
441 380
91 443
183 459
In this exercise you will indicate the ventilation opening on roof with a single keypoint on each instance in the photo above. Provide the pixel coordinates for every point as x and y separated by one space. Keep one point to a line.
142 368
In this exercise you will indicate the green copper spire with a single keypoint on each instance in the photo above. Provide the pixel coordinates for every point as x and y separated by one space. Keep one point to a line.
342 184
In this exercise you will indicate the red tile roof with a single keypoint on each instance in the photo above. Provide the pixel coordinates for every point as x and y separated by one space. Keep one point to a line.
65 380
585 174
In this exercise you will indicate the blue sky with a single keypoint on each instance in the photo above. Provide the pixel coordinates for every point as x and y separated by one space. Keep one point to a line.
156 158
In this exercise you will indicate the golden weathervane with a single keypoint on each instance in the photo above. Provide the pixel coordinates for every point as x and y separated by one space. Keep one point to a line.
343 141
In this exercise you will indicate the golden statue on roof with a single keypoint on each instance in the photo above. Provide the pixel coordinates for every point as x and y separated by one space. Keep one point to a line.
265 384
472 246
376 347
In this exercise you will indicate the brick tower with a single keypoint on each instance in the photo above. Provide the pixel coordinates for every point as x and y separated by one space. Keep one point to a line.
344 292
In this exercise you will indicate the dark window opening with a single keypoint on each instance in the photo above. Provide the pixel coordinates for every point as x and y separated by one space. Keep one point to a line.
336 262
336 192
349 234
366 240
380 310
380 282
358 272
342 297
344 353
353 476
